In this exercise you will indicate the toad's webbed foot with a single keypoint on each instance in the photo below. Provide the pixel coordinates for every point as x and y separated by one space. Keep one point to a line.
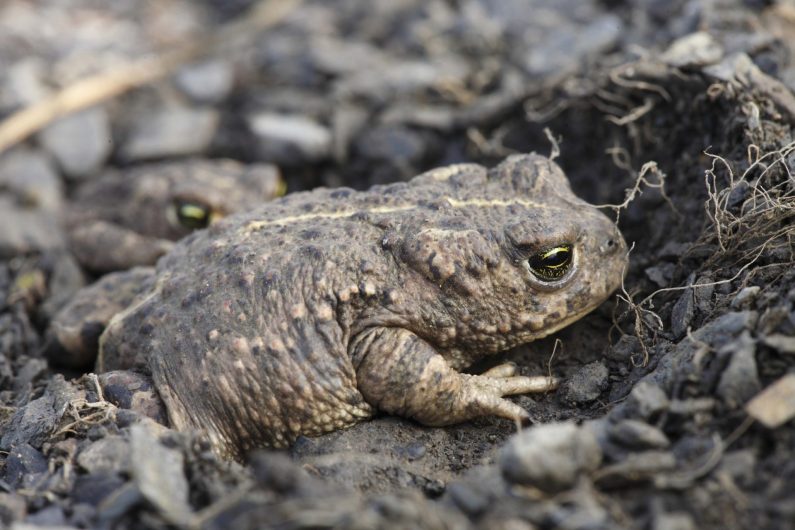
400 373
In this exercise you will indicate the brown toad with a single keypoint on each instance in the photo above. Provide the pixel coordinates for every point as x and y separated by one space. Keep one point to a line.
308 314
132 218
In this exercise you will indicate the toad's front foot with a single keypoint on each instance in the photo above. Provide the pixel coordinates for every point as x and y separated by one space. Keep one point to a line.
400 373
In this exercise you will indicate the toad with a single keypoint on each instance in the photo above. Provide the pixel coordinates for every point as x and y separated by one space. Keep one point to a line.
132 218
312 312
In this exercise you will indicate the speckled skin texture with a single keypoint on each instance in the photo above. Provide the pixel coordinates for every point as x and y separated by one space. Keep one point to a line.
127 219
309 313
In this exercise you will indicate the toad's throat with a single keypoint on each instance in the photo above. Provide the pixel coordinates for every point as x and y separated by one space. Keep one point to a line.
454 203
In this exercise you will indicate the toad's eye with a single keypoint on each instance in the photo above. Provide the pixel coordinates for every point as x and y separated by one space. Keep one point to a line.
552 263
192 215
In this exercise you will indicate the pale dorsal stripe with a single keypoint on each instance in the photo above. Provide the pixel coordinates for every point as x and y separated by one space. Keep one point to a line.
455 203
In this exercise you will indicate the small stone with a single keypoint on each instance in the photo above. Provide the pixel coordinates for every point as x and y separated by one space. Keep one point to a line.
469 500
624 349
394 144
80 142
586 385
661 275
739 382
277 472
637 434
738 193
111 453
550 457
723 329
692 406
564 50
674 521
739 465
28 231
160 475
776 319
94 488
696 49
51 518
12 508
415 451
775 405
290 139
637 467
30 178
31 424
647 400
703 289
24 466
682 313
171 132
207 82
745 297
780 342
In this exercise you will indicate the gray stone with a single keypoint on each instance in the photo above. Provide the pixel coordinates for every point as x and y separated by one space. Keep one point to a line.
24 466
716 333
703 289
290 139
27 230
637 467
745 297
647 400
468 499
775 405
661 274
739 382
339 57
80 143
637 434
29 177
25 83
48 518
674 521
550 457
740 465
32 423
692 406
111 453
563 51
780 342
92 489
171 132
207 82
586 384
696 49
160 475
682 313
13 507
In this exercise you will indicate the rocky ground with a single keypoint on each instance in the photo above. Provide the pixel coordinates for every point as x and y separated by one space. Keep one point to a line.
676 115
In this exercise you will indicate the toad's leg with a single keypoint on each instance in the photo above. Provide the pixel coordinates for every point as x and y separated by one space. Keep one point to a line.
73 336
400 373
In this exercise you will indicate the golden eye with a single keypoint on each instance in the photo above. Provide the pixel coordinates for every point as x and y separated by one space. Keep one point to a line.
551 264
192 215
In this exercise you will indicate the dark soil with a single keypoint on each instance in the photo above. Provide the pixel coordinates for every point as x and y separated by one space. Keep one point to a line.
664 421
